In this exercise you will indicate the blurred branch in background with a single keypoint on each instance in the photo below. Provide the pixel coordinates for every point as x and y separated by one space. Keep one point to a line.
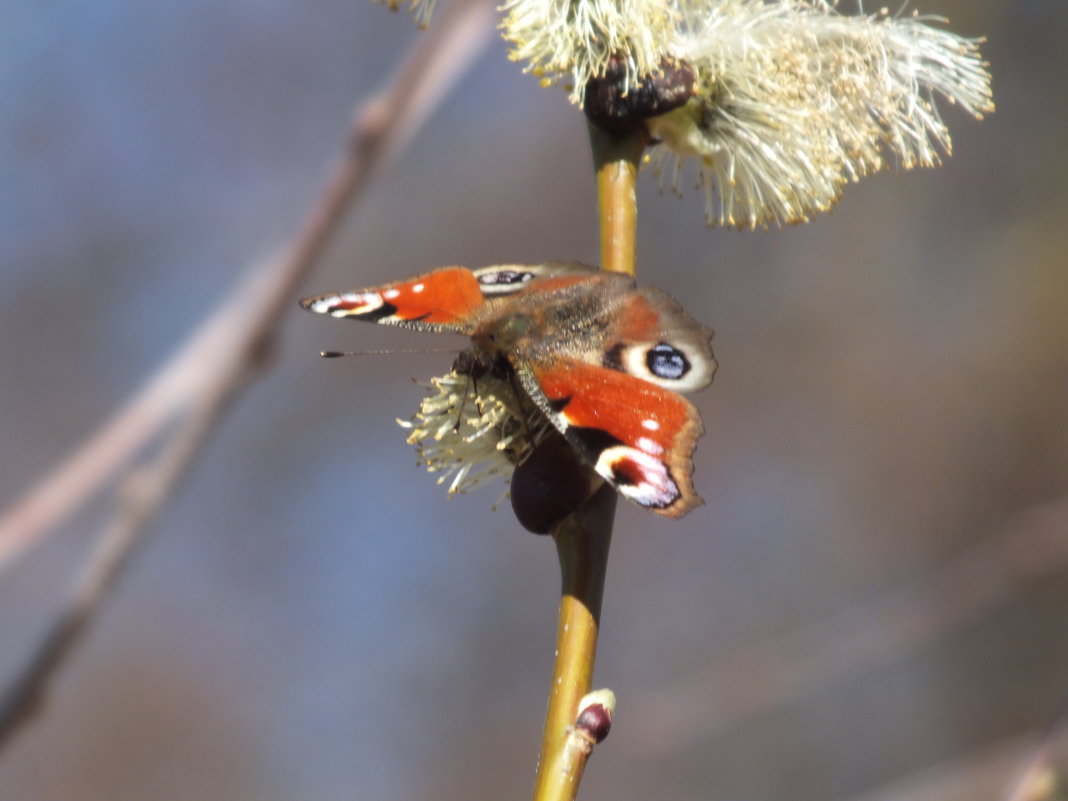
1045 764
210 372
980 776
383 126
759 678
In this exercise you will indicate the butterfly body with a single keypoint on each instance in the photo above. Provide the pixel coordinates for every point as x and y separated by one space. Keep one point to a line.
602 359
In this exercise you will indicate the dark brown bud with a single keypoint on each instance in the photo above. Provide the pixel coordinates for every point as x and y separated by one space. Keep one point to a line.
595 721
616 108
549 485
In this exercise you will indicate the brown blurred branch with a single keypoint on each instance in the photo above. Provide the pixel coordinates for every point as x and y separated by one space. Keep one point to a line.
1045 763
382 127
979 775
973 777
210 372
771 673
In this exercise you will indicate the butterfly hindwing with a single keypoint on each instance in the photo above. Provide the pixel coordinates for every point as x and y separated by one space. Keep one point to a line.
637 435
654 339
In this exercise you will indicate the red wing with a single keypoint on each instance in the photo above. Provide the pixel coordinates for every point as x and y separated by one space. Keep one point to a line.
442 300
638 436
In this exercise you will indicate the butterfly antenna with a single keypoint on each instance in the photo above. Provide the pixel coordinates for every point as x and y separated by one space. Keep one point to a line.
463 403
335 354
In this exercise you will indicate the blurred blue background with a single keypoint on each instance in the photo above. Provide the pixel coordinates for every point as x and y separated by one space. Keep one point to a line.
313 620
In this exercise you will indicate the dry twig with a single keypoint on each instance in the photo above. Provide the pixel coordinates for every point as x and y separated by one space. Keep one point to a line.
236 339
1044 764
769 674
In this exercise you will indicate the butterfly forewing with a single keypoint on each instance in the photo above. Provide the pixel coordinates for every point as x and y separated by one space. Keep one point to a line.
511 279
442 300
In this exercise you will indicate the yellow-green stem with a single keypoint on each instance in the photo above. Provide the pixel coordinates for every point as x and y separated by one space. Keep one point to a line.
583 539
616 160
582 543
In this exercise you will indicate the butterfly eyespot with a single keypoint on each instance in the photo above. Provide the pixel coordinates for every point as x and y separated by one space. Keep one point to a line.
665 361
679 369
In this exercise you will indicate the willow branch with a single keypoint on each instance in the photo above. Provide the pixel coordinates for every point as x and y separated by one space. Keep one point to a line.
142 495
1044 766
766 675
616 161
582 544
976 776
972 776
238 342
382 126
582 541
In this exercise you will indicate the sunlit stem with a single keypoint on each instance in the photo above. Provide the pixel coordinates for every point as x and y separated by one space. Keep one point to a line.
583 539
582 543
616 160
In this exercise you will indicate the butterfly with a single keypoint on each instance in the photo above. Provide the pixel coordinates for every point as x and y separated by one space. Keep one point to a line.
602 359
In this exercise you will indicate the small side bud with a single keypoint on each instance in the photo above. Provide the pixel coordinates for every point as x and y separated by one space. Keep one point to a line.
595 714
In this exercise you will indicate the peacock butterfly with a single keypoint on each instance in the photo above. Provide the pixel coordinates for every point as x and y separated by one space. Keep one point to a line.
600 358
